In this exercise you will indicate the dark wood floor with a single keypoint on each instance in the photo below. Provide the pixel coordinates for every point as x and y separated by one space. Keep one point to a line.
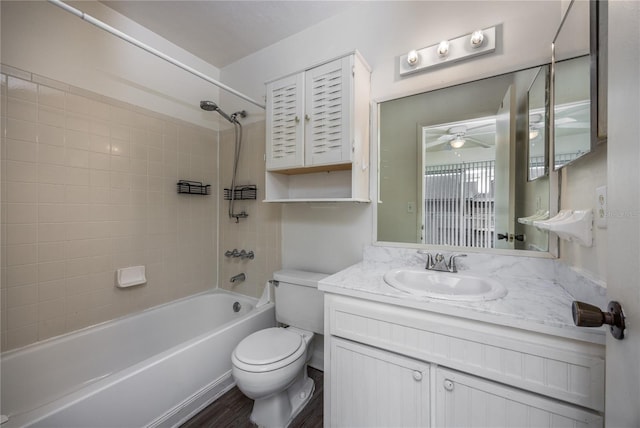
233 410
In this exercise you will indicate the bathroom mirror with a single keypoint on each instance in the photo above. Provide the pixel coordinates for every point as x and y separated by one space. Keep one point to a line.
453 167
579 111
537 137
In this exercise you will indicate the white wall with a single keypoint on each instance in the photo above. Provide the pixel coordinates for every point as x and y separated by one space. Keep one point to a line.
314 238
41 38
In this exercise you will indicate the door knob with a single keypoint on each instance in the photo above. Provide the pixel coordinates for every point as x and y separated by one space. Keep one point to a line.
586 315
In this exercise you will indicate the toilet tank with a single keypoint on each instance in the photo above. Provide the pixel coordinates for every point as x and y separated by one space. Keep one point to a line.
298 301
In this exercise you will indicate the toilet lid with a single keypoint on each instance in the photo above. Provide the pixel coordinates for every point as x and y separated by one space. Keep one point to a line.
268 346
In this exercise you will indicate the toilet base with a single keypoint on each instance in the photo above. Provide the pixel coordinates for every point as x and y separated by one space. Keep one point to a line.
279 410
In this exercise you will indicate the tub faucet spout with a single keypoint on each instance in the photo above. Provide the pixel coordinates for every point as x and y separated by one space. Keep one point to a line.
238 278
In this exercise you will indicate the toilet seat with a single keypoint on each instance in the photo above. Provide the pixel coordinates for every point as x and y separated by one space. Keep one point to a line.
269 349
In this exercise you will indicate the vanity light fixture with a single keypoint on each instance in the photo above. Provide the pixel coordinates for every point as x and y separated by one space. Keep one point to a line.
479 42
457 142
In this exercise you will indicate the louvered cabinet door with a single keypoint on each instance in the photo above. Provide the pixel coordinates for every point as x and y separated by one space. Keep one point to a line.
328 98
285 135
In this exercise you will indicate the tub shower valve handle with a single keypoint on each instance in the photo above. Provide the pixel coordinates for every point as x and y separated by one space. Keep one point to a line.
586 315
246 255
233 253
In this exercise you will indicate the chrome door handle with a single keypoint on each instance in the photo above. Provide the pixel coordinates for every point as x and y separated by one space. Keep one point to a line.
586 315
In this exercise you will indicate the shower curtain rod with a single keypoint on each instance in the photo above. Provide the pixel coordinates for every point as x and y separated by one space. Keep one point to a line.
90 19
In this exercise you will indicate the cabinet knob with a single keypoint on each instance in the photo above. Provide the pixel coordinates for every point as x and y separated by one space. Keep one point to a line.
297 118
417 375
307 117
448 384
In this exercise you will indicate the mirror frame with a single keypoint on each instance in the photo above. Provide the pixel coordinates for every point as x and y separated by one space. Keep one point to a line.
598 77
554 189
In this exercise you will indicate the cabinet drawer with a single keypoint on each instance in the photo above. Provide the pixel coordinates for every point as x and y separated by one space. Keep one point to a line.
464 401
564 369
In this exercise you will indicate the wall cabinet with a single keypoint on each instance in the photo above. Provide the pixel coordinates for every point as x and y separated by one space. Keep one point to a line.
392 366
317 133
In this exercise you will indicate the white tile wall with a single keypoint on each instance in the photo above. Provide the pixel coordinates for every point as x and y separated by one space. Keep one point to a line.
89 186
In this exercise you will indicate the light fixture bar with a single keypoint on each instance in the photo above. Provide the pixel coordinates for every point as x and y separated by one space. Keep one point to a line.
464 47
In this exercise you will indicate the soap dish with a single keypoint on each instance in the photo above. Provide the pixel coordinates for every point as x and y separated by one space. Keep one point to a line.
130 276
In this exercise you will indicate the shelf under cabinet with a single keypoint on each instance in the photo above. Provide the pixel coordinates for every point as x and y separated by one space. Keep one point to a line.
327 183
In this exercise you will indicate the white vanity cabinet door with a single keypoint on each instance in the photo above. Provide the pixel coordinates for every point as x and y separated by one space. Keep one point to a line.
372 388
284 125
468 401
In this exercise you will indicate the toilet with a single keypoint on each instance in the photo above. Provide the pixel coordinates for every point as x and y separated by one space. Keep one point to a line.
270 365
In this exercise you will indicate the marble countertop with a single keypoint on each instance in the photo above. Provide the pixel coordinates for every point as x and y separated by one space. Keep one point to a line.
535 300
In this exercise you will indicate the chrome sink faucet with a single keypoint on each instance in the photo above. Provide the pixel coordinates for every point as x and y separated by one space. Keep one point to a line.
439 263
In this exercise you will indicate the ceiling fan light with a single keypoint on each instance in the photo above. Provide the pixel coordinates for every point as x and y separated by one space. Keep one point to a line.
457 142
533 133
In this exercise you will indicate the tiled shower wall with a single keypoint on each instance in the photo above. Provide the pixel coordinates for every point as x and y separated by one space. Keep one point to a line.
89 186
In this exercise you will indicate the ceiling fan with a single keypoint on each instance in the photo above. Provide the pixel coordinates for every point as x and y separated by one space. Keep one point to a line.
455 137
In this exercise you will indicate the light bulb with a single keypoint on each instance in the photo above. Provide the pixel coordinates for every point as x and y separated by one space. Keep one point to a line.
457 142
443 48
412 57
533 133
477 37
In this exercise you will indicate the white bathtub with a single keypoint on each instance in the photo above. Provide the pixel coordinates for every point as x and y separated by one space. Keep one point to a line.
155 368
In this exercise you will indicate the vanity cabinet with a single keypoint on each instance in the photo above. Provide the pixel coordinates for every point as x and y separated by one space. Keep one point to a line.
478 373
317 133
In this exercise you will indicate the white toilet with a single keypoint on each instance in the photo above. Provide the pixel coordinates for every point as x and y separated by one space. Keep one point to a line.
270 365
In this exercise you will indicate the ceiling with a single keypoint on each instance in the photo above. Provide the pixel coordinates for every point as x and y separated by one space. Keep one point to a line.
222 32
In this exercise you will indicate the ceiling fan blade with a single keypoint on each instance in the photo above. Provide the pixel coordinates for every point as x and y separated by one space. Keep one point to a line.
574 125
489 126
480 143
435 143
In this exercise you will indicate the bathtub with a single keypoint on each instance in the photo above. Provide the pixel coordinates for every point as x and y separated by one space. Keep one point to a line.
158 367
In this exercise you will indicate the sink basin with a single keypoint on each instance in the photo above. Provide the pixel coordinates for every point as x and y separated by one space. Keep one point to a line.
444 285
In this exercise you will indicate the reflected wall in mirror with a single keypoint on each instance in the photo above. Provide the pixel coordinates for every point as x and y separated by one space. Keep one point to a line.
579 111
453 167
572 110
537 103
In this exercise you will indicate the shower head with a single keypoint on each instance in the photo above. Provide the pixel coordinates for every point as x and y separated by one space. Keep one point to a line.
211 106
